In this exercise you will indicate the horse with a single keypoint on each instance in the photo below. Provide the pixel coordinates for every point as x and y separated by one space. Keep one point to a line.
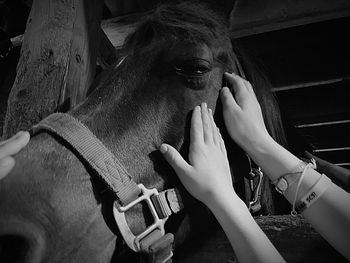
55 209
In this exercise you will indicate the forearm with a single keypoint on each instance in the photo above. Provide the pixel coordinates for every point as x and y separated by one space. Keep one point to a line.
329 215
246 237
273 159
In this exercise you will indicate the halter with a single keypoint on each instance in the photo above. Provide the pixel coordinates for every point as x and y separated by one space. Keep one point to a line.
127 192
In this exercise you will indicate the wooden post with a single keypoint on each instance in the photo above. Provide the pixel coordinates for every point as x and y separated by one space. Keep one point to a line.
58 60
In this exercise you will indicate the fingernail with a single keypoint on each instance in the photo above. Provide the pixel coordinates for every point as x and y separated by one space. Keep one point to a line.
163 148
197 108
231 73
204 104
211 112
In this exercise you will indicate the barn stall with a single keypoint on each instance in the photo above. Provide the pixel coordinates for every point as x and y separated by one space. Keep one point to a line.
301 44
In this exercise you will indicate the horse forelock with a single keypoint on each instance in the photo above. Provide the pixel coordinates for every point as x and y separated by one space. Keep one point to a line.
186 22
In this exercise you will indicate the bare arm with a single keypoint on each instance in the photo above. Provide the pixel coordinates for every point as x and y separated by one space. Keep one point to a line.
330 214
207 177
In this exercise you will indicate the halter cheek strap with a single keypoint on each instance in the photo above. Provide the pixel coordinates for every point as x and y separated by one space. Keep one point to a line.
153 241
94 152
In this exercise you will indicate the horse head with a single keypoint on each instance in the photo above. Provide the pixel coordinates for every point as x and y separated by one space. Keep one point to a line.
53 207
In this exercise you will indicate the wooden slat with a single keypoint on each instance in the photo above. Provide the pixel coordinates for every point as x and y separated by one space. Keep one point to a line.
341 156
318 104
294 238
309 84
254 17
328 136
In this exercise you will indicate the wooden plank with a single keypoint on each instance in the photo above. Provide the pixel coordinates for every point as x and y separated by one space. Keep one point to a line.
293 237
327 136
58 59
309 84
251 17
317 104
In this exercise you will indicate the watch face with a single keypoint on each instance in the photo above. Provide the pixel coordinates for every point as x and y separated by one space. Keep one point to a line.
282 185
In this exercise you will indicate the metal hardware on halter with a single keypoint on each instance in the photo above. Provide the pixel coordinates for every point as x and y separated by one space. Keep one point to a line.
254 203
126 190
134 242
256 174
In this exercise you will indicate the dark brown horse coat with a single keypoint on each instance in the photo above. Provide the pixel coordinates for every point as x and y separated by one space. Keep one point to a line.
53 207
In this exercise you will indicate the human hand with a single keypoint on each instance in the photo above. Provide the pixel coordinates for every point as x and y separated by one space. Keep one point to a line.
242 113
207 175
10 147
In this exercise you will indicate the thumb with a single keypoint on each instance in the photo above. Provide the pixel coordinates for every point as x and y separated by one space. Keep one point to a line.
6 165
174 158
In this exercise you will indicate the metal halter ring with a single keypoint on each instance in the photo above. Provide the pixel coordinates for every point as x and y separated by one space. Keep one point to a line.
134 242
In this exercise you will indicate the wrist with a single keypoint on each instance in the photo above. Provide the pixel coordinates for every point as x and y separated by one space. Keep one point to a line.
223 198
260 145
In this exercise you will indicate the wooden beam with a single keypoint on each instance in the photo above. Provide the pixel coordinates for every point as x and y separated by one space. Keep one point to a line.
293 237
311 84
58 60
251 17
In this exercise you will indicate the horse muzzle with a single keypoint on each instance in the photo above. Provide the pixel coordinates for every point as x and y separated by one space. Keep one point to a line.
21 242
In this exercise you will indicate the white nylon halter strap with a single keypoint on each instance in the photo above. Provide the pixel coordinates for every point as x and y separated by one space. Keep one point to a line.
94 152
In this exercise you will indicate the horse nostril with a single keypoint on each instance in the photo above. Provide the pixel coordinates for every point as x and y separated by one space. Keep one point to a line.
21 242
13 249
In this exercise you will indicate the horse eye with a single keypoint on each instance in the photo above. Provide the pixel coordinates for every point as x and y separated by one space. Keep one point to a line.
193 67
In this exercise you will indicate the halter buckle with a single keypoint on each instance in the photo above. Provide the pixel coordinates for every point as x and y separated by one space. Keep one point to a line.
134 242
254 203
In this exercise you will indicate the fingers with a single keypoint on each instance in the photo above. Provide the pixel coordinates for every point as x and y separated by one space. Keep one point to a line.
14 144
227 99
203 127
238 84
215 131
222 144
196 133
174 158
6 165
207 129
